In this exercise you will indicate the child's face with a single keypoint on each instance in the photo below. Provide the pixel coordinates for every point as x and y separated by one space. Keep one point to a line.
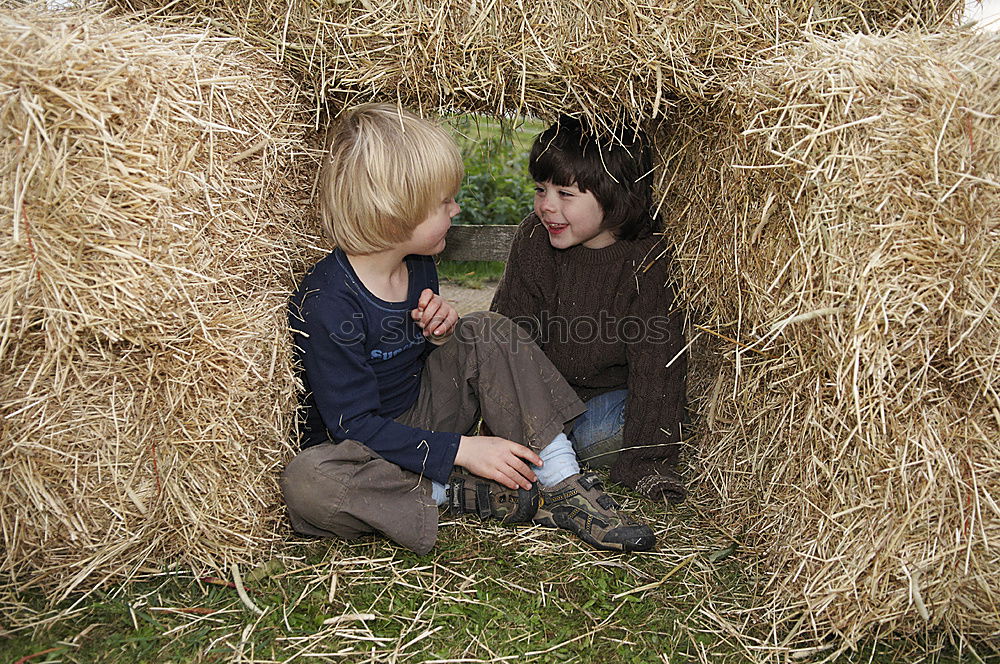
428 237
571 216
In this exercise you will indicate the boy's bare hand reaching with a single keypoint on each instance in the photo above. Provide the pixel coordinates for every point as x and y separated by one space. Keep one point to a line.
435 316
498 459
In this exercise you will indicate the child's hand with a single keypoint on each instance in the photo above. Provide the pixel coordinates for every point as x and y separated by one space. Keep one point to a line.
435 316
498 459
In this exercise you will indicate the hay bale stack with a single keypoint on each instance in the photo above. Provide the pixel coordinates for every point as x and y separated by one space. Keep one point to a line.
537 58
840 227
152 219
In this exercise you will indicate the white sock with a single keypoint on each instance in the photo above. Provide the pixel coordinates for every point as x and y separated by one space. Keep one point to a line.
439 492
560 462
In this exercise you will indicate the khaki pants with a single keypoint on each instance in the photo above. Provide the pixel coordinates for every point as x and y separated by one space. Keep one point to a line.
490 369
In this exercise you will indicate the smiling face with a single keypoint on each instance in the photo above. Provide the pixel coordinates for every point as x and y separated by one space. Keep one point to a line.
571 216
428 237
614 166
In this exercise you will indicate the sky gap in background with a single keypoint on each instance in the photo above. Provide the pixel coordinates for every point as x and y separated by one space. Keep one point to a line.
987 13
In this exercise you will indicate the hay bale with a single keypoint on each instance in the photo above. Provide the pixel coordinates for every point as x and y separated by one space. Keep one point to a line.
839 230
538 58
152 220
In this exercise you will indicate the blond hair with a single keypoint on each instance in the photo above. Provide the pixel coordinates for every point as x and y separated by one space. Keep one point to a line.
385 171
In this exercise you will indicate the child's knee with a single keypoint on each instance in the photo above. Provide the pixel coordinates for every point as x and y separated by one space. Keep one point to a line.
489 326
317 486
345 490
484 319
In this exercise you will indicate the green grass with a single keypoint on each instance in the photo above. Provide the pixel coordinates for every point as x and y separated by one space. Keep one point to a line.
529 595
470 274
485 594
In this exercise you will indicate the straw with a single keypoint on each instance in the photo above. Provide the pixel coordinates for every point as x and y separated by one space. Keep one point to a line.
596 57
839 238
830 197
152 221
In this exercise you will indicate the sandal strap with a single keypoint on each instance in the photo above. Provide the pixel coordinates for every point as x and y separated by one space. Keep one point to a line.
483 500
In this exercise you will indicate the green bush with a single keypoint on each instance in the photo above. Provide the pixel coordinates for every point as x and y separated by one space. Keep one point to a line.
497 188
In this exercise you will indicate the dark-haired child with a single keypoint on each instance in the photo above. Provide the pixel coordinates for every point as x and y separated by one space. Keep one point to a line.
395 382
588 278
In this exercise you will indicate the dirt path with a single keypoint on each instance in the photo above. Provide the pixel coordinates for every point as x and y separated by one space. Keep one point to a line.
467 300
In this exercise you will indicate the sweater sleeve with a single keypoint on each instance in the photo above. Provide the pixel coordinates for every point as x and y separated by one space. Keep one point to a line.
657 372
519 294
345 390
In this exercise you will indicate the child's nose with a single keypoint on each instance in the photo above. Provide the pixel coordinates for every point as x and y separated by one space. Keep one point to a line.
547 203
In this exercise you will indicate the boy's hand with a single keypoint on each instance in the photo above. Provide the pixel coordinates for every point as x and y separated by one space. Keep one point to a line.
435 316
498 459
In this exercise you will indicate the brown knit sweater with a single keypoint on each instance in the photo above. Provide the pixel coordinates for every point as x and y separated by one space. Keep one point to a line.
607 320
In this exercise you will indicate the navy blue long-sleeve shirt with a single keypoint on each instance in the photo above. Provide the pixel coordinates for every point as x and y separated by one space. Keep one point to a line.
362 359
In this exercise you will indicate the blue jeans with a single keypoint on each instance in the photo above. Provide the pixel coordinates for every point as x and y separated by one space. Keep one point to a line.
598 433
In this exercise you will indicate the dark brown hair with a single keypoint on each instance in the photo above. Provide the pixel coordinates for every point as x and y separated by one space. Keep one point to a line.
618 170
